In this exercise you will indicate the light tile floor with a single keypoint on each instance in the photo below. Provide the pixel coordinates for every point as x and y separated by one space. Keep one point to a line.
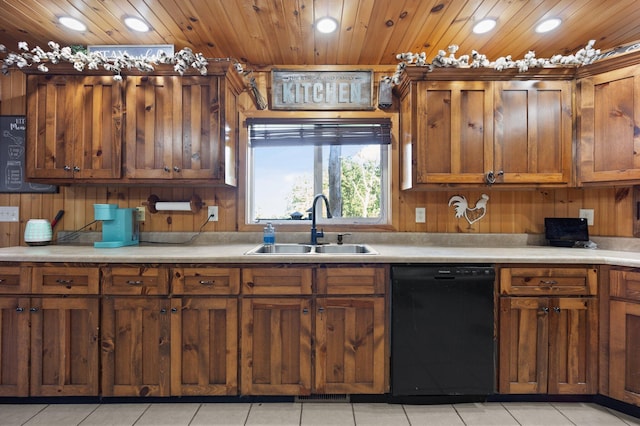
312 413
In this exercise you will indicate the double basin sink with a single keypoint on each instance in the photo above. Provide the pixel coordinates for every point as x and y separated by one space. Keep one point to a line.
308 249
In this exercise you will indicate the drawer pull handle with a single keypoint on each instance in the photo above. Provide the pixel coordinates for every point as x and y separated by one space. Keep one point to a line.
207 282
545 310
61 281
556 309
548 282
34 309
305 311
321 310
19 309
131 282
2 280
174 310
163 311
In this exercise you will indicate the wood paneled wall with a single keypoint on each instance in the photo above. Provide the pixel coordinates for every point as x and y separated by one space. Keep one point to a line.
508 211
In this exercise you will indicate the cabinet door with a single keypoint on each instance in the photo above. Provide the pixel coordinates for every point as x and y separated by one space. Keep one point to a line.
173 128
204 346
14 350
50 120
524 337
609 110
573 346
454 141
136 346
349 351
276 347
533 132
624 347
74 127
97 139
64 346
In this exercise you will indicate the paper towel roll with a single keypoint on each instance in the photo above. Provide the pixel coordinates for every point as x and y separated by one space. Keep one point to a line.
184 206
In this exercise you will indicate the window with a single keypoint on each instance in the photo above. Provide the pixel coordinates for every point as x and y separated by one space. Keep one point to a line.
292 160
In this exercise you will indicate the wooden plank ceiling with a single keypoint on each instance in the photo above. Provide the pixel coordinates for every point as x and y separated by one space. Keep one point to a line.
371 32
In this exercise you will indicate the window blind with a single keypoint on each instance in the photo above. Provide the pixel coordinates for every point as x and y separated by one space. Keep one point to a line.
283 132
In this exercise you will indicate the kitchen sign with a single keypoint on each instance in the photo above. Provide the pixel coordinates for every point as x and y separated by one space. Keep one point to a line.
321 90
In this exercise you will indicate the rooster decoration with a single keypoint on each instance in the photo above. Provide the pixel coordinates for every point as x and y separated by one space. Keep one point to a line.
471 214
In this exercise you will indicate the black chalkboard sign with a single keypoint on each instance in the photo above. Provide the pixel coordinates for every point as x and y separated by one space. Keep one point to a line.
12 148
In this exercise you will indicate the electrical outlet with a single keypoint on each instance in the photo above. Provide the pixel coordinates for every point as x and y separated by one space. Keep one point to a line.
212 211
9 214
587 214
140 213
421 215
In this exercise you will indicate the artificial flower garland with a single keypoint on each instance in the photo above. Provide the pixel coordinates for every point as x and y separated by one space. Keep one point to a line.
583 56
81 60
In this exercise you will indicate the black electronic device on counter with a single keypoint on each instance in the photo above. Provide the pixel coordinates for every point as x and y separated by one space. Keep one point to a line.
566 231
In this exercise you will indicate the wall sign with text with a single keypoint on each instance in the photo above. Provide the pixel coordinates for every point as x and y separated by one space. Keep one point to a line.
321 90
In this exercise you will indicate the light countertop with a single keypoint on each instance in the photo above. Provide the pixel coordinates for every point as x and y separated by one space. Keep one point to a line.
391 248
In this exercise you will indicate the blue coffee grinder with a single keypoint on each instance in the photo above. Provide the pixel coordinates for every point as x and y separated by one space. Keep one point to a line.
119 226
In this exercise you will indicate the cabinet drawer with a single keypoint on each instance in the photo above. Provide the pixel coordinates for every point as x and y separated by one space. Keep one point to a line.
205 281
65 280
15 279
267 281
349 280
549 281
135 281
625 285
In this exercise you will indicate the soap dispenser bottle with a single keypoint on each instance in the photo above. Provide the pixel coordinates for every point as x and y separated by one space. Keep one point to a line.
269 236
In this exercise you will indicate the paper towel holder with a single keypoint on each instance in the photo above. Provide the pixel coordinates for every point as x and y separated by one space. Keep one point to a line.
154 204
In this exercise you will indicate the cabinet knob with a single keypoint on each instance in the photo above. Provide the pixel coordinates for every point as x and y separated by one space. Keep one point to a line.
19 309
556 309
163 311
176 169
76 168
66 168
305 311
321 310
166 169
174 310
34 309
545 310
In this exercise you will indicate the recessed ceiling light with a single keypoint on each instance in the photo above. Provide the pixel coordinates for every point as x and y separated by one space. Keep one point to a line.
72 23
136 24
484 26
326 25
548 25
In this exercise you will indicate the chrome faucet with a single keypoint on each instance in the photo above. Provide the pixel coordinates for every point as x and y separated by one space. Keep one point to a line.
315 234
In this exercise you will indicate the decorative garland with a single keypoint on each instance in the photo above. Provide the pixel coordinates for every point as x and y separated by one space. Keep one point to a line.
81 60
584 56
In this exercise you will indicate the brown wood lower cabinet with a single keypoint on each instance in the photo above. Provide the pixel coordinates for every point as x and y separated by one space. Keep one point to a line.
15 347
548 345
204 346
350 349
276 346
64 346
624 336
136 352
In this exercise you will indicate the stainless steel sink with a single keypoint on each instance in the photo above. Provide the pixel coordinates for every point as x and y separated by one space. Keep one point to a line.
281 249
345 249
307 249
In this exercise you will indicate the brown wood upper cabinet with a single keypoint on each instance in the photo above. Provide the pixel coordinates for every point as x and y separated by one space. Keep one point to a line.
491 130
608 127
74 127
181 128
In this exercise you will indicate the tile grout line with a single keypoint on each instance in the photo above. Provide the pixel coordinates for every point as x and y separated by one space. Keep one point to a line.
36 414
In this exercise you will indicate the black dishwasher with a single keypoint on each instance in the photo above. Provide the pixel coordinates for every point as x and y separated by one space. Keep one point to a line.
442 333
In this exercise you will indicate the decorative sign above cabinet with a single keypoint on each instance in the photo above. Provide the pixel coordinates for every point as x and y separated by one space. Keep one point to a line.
143 50
322 90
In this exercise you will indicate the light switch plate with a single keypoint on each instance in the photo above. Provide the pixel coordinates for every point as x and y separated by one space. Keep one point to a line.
9 214
140 214
421 215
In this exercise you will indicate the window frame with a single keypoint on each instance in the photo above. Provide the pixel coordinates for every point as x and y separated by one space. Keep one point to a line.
245 168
